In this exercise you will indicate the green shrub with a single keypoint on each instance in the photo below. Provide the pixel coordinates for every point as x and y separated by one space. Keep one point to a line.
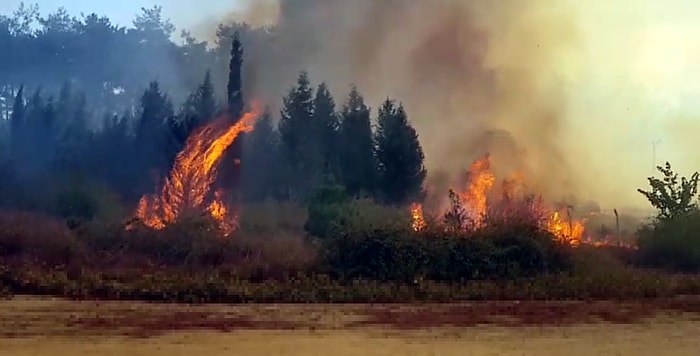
442 255
672 240
330 212
671 243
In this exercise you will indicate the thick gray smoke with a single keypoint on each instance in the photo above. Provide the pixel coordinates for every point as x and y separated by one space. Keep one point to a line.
508 76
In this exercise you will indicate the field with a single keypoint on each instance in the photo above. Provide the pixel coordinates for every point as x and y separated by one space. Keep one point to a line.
42 326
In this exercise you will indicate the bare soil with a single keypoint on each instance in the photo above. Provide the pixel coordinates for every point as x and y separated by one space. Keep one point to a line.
43 326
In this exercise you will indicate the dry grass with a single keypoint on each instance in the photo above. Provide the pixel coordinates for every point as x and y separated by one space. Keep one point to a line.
40 328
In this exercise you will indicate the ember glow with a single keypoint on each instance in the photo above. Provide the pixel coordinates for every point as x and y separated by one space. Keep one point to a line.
188 188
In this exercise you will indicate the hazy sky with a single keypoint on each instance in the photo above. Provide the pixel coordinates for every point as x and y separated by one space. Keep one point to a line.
184 13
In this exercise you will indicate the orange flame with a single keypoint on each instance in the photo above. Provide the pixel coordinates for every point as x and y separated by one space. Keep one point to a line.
188 187
418 221
483 206
481 180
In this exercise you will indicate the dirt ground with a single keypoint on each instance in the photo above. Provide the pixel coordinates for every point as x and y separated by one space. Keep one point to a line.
41 326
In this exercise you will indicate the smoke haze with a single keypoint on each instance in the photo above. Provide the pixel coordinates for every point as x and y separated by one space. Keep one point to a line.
569 92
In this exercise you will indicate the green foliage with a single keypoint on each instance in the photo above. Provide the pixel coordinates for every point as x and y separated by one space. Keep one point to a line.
329 212
399 156
261 157
672 240
299 148
672 243
669 196
358 168
402 255
326 128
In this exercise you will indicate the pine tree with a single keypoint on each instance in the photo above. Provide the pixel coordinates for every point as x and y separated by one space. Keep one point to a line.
260 176
299 150
18 125
399 155
199 108
152 134
359 171
325 120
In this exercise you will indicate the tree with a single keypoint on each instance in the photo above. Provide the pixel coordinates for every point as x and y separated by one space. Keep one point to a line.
230 174
670 197
235 82
18 125
199 108
260 175
151 134
359 169
326 125
399 155
299 150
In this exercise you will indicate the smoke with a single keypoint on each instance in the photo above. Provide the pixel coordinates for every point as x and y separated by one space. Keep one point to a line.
558 89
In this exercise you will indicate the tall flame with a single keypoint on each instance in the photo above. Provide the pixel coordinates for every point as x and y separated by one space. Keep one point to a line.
188 187
481 180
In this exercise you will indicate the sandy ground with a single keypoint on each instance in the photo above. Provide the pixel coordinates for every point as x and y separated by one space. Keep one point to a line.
37 326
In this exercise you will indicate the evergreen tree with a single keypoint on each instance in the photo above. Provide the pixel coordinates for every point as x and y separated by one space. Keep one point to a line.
151 134
301 157
234 88
199 108
399 155
359 171
18 125
74 135
230 167
260 176
326 125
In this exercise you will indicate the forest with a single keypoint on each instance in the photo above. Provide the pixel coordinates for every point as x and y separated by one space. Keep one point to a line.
122 152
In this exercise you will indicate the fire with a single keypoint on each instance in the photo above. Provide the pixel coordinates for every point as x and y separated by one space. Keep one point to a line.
483 206
418 221
188 187
570 231
481 181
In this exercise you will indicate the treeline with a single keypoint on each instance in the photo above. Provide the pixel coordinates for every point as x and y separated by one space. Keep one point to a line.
56 159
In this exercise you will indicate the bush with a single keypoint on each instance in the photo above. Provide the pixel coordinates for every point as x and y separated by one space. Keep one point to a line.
38 237
195 243
330 212
671 243
440 255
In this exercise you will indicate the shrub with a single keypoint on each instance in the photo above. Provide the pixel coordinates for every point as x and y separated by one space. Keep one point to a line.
672 240
671 243
444 255
196 243
330 212
38 237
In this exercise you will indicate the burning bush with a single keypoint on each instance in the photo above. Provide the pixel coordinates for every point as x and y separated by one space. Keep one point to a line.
485 202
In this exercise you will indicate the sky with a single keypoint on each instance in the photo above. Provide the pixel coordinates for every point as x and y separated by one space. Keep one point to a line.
183 13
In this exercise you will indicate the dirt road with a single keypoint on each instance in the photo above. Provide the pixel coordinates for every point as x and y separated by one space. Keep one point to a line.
36 326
